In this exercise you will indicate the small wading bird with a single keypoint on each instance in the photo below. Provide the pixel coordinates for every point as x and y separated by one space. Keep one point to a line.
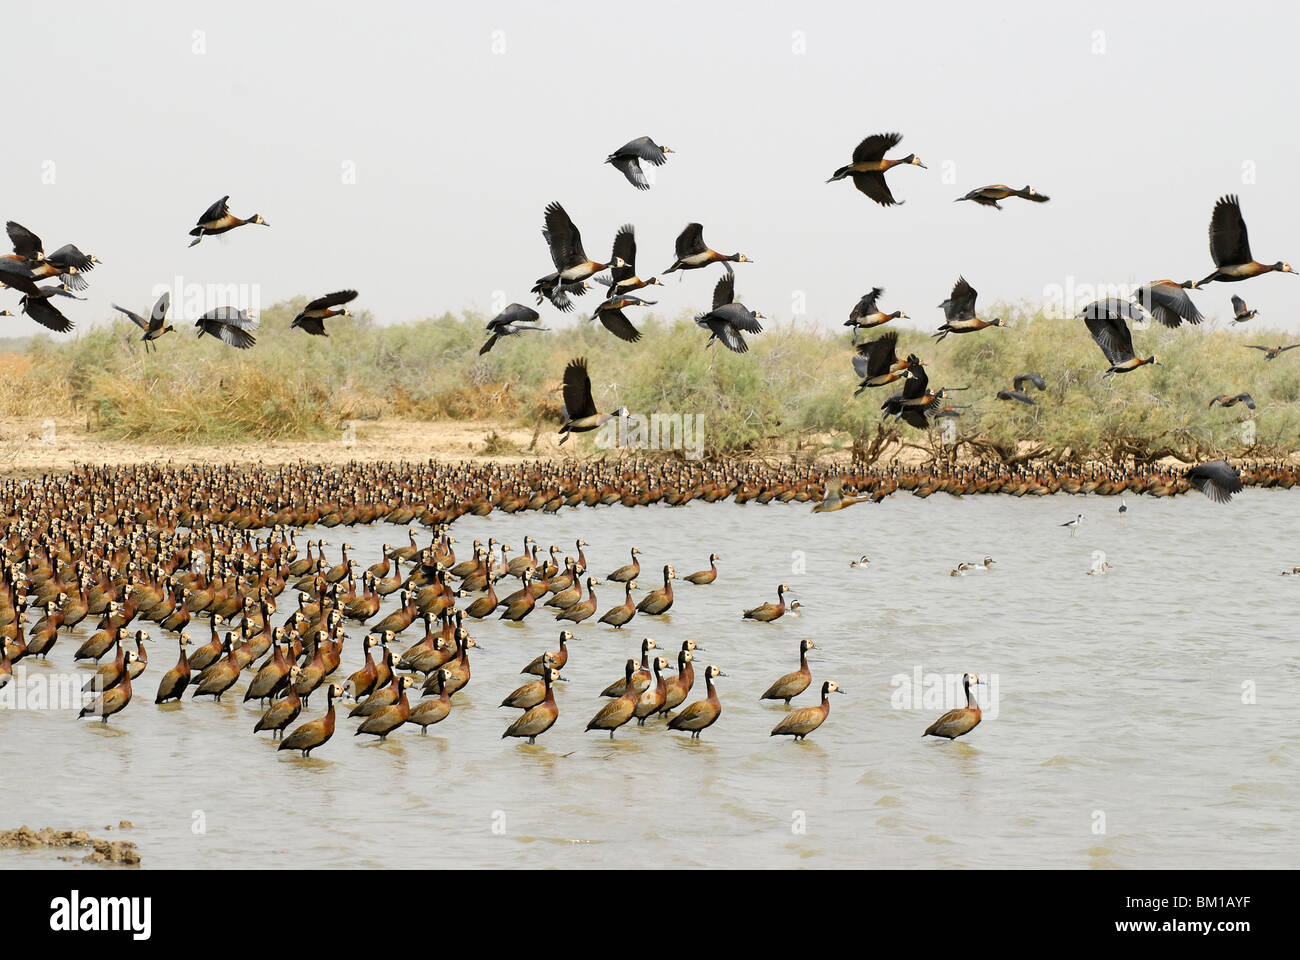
623 279
1168 302
510 322
1017 391
156 325
877 362
865 314
1227 400
313 316
959 312
869 166
1217 479
1230 246
1105 320
579 408
572 265
612 318
990 195
217 219
1240 312
627 160
729 319
229 325
961 720
1074 524
1272 353
693 253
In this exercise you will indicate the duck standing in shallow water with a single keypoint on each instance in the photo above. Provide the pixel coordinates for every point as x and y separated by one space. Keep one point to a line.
960 720
799 723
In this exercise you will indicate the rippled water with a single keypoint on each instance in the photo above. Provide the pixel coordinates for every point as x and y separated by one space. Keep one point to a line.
1120 739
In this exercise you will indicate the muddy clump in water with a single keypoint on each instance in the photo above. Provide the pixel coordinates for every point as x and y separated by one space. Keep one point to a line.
101 851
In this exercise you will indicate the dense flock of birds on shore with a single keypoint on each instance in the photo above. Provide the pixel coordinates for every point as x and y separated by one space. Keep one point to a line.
164 546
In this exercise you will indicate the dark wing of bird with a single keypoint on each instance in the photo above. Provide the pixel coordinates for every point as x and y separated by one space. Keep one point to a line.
491 342
138 320
915 416
1256 346
617 323
517 313
159 312
875 147
1238 305
1290 346
1229 243
1247 399
215 212
630 167
960 304
331 300
577 390
917 384
724 291
1105 321
877 355
231 316
563 237
724 331
625 250
691 240
1036 379
1217 479
867 305
232 335
874 185
26 244
313 325
739 316
1170 305
46 314
19 276
69 256
646 149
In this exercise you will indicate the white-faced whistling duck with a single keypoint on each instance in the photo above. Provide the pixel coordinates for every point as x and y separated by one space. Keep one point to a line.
729 319
1228 400
582 609
218 219
659 601
768 612
959 312
510 322
579 408
653 697
1105 320
792 684
313 316
916 401
282 712
530 694
156 324
1272 353
1017 391
1217 479
705 576
959 720
865 314
1230 246
625 611
114 700
613 715
383 722
702 714
869 166
1168 302
693 253
641 676
230 325
677 687
35 302
990 195
557 658
314 733
833 497
612 318
877 363
627 160
629 571
219 676
428 712
623 279
538 719
799 723
1240 312
572 265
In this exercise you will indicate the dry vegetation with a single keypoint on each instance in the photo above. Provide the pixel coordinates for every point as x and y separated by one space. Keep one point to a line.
791 392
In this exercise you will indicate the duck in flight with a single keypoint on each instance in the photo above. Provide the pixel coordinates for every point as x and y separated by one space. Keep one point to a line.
1230 246
990 195
156 324
869 167
959 312
1272 353
1105 320
865 314
218 219
313 316
579 407
572 265
627 160
510 322
729 320
1017 391
693 253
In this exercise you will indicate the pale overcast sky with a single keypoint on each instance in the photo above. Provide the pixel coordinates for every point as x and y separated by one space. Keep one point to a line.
462 121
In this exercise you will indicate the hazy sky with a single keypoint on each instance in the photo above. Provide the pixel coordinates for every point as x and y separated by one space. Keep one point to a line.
462 121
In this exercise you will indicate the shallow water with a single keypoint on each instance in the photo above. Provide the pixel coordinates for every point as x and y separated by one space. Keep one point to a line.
1115 732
